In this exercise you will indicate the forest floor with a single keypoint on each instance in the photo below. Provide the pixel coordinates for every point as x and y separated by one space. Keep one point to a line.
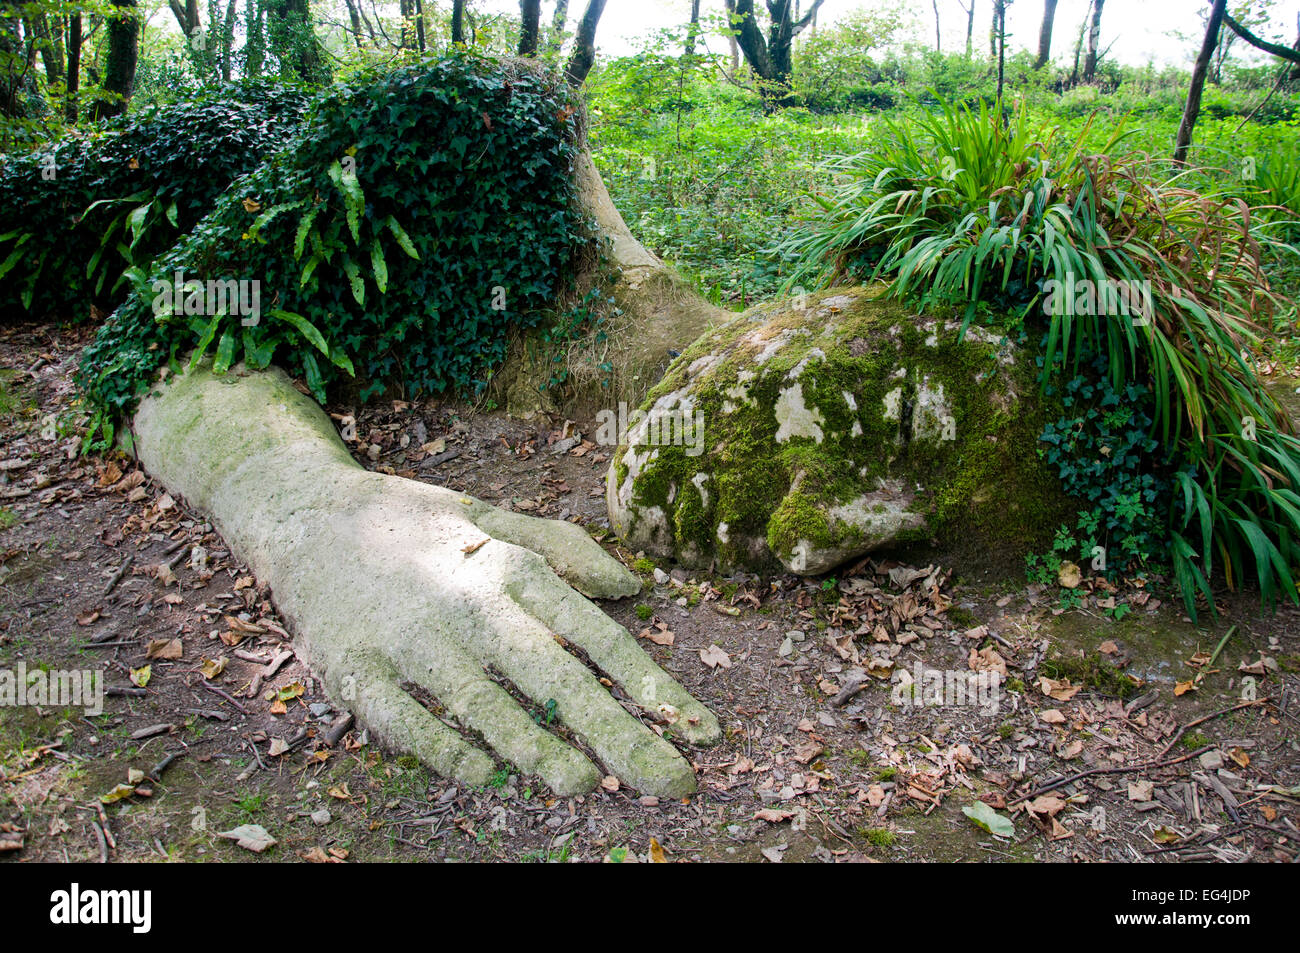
823 758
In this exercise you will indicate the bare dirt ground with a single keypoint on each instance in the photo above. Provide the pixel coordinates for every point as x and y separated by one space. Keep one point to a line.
212 723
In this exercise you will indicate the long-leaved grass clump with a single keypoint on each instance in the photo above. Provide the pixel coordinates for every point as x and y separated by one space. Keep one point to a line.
970 208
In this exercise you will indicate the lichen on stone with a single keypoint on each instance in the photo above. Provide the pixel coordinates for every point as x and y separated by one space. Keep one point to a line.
837 429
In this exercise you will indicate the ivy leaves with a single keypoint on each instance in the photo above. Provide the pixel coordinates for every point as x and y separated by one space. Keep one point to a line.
378 236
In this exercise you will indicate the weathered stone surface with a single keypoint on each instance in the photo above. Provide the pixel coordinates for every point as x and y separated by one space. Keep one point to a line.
386 580
804 437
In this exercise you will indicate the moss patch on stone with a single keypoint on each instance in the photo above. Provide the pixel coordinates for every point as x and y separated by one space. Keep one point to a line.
819 421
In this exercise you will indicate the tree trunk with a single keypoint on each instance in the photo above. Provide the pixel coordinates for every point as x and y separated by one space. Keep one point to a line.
354 16
970 29
1193 107
935 4
1045 34
1002 45
693 29
1094 39
293 41
50 42
123 56
530 14
559 27
584 44
458 21
228 41
771 59
404 14
74 68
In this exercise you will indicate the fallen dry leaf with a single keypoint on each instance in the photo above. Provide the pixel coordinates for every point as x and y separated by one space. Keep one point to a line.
166 649
657 852
1141 791
714 657
252 837
212 668
1062 691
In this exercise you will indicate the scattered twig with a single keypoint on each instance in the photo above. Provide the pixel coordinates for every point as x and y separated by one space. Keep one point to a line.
223 694
118 573
252 747
335 732
156 771
103 822
1192 724
1092 772
103 841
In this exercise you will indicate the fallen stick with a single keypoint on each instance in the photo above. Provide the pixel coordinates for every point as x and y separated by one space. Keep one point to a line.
334 733
852 686
103 842
156 771
218 691
160 729
1192 724
1092 772
118 573
103 822
252 747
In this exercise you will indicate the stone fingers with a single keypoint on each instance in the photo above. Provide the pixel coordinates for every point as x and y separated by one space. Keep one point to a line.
612 648
567 548
373 692
478 703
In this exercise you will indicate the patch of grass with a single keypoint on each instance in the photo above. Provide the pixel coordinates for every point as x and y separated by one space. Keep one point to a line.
644 612
886 774
877 836
643 566
962 618
557 855
1193 740
1092 672
249 806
